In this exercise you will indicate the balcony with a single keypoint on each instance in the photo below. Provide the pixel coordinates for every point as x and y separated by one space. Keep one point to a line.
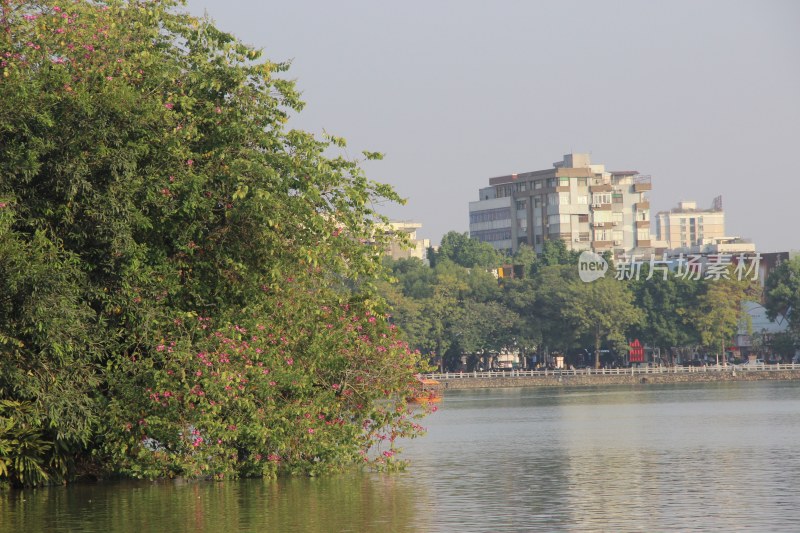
601 207
642 184
642 206
605 187
642 223
644 243
602 245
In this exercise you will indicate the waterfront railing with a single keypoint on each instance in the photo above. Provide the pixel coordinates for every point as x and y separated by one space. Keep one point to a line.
642 370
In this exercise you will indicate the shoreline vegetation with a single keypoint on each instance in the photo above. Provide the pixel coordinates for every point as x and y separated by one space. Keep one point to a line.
466 315
187 284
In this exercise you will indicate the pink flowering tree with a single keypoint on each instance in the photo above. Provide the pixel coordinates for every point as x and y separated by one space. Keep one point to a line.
215 267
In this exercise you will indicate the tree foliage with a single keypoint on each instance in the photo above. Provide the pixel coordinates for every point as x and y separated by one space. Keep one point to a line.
458 310
462 250
147 180
782 294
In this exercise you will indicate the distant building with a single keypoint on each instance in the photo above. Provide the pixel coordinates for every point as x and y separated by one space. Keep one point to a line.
717 246
686 226
418 247
576 201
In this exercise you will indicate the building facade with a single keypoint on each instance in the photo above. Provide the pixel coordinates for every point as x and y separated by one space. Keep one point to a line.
576 201
686 226
413 248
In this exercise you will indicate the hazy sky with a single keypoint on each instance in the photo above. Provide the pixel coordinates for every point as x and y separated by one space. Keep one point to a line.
702 95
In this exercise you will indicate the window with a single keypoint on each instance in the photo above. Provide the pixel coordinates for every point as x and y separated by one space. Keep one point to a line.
552 199
581 182
583 218
492 235
617 234
643 234
616 198
617 217
553 219
563 198
521 205
583 199
601 198
563 182
537 184
538 239
490 215
551 182
537 201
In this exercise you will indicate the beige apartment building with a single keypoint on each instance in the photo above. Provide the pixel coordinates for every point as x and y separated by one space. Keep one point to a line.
686 226
576 201
415 248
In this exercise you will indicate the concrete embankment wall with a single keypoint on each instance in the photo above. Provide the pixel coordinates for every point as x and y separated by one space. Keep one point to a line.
556 380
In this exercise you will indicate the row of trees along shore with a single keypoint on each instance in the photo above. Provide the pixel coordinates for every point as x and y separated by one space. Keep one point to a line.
457 306
184 284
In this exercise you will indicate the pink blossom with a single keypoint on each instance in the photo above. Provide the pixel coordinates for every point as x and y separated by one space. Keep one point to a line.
310 431
190 162
169 105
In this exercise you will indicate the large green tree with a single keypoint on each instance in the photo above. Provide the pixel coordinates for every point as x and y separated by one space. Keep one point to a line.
154 205
667 304
467 252
603 310
782 294
720 313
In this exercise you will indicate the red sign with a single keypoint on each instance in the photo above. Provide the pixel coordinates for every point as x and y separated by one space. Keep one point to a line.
636 352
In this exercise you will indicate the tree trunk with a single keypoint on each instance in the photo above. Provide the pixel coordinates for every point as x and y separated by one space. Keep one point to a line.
597 348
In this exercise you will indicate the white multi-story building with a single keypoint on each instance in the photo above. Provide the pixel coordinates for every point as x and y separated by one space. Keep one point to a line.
576 201
686 226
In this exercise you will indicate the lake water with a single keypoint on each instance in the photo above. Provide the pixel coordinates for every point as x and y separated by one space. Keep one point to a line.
722 457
